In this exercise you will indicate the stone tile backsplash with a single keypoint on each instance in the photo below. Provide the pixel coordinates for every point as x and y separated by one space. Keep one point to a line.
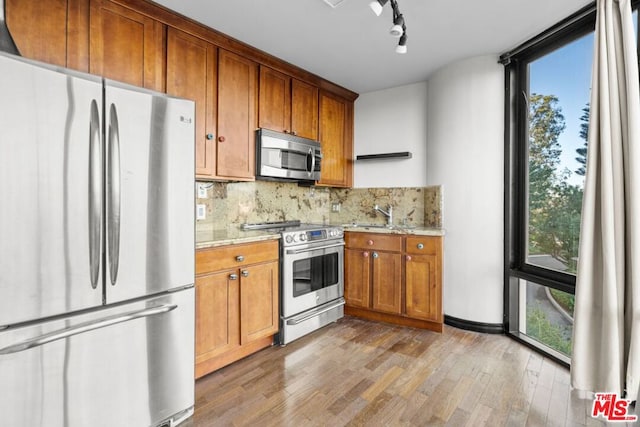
228 205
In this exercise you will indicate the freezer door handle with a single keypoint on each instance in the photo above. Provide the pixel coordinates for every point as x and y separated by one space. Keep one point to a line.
95 194
86 327
113 194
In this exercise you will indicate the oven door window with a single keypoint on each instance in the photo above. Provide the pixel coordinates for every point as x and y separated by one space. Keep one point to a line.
311 274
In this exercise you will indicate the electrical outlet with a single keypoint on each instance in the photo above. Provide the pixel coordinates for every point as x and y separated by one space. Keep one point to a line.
201 211
335 207
202 191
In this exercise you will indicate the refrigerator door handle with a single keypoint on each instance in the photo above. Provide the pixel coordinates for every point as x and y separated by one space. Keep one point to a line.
95 194
113 194
86 327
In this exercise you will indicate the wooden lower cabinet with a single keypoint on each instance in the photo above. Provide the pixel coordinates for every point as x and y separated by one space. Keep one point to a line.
236 303
394 278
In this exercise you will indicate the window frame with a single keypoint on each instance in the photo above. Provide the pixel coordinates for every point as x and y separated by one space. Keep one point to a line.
516 146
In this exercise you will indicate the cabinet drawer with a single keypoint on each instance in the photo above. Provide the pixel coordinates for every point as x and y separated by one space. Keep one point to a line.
377 241
421 245
233 256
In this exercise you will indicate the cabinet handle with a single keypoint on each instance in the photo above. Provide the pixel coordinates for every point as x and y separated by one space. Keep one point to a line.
370 242
375 255
209 136
233 276
221 139
285 131
420 246
408 257
240 258
365 254
245 273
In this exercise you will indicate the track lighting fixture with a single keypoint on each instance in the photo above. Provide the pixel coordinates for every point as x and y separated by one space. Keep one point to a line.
399 29
377 5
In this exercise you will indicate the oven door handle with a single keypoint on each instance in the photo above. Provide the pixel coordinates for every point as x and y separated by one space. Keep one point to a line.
298 320
299 251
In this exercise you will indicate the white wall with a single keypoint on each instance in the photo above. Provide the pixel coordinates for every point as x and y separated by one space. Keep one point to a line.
465 155
389 121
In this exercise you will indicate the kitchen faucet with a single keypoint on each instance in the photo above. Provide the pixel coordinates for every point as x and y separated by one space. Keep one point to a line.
388 213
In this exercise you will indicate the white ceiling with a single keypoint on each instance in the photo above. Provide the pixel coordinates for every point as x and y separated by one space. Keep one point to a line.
350 46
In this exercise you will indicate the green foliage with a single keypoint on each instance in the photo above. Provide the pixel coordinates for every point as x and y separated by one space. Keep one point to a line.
554 336
566 301
554 205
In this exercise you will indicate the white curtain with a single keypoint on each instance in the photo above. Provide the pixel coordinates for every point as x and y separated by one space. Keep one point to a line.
606 335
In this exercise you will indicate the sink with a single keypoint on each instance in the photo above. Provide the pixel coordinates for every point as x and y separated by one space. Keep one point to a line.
358 225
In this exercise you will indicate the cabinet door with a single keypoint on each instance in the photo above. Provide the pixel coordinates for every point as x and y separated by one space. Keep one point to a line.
126 46
217 316
259 301
357 277
237 108
274 100
192 74
304 109
39 29
336 139
387 281
423 288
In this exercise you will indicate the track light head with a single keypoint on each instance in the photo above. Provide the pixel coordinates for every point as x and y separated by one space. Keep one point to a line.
377 5
402 44
398 26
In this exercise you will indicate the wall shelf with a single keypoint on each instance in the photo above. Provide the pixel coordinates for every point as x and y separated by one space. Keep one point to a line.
386 156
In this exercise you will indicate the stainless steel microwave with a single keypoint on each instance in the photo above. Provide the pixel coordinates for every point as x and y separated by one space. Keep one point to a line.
286 157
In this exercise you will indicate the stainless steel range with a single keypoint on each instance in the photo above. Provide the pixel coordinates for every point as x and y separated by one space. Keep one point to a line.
311 277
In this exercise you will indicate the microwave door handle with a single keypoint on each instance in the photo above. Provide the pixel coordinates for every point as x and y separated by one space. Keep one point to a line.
313 161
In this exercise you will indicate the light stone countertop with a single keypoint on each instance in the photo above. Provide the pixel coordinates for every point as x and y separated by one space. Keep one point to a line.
396 229
232 236
212 238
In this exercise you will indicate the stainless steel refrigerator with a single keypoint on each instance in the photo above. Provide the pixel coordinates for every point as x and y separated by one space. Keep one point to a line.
96 251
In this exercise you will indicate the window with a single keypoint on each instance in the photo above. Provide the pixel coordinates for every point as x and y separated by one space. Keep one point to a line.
548 90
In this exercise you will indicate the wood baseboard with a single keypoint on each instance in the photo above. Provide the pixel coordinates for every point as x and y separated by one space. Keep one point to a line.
206 367
392 318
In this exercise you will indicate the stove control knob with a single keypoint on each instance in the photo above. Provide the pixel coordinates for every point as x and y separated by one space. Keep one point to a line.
303 237
295 238
289 239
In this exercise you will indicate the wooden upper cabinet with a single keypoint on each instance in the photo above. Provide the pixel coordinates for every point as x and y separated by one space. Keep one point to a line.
274 100
39 29
237 116
304 109
125 45
287 105
192 74
336 140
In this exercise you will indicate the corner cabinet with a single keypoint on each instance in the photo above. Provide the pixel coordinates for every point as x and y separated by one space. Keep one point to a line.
394 278
336 140
236 302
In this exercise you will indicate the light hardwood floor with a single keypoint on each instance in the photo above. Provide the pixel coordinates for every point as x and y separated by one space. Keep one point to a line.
358 373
